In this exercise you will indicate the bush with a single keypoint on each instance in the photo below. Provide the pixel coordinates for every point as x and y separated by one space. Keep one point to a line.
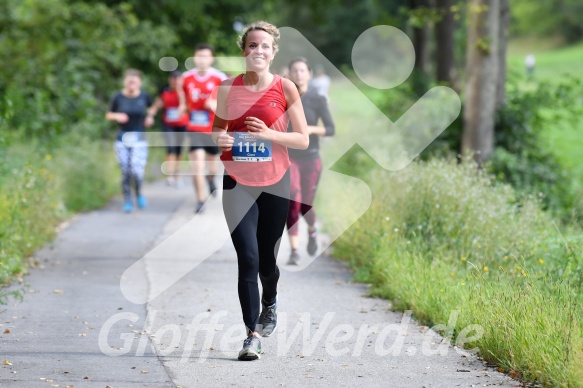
61 61
89 173
522 157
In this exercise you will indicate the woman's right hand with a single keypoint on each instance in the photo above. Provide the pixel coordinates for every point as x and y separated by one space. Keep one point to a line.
225 142
122 118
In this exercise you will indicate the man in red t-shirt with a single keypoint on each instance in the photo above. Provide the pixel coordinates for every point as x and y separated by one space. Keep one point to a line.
199 88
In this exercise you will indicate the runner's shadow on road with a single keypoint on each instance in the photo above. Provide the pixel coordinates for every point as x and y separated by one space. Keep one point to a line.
200 360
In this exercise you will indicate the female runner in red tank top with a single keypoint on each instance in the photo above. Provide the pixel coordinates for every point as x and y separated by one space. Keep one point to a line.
250 128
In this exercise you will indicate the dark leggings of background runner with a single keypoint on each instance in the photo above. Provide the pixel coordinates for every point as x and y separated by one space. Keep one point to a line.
304 175
174 137
132 162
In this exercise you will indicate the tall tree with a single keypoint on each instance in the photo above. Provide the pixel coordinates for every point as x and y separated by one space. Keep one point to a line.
482 69
502 47
444 36
421 34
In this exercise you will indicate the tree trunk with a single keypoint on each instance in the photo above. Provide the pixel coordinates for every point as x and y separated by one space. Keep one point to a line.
502 46
444 34
421 40
481 78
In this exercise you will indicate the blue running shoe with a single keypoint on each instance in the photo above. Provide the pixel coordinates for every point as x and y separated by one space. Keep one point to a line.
142 201
128 206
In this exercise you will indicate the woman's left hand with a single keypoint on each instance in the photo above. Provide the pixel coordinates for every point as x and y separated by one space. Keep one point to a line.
258 128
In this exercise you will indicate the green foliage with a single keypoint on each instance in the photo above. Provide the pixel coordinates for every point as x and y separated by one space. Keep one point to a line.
334 27
90 175
440 237
192 22
547 17
522 157
40 185
29 207
421 16
62 60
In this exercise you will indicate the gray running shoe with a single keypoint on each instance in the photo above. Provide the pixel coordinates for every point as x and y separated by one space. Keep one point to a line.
251 349
268 319
312 242
212 188
294 257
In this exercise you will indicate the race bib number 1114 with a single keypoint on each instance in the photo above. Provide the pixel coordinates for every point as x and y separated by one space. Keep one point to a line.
248 148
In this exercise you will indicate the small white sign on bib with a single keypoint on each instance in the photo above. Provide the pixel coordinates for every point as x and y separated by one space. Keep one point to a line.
172 114
200 118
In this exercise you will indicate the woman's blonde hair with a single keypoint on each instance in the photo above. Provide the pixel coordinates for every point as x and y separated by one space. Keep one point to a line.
263 26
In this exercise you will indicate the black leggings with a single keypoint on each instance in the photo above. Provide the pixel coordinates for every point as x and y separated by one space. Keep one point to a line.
256 218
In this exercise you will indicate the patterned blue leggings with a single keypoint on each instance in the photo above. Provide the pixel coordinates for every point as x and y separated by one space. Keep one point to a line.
132 162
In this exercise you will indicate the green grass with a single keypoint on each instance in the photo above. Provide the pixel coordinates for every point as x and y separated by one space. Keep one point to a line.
440 237
552 63
40 186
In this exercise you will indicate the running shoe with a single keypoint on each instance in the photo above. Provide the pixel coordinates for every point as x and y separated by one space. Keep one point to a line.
142 201
128 206
268 319
199 208
294 257
251 349
212 188
312 242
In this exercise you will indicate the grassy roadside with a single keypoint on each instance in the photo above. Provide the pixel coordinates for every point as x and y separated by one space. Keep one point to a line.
41 185
438 238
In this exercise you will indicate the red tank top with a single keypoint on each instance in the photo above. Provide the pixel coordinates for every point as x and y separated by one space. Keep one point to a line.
270 106
171 102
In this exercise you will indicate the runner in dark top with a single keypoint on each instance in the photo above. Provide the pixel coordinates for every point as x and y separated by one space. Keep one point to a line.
129 108
306 165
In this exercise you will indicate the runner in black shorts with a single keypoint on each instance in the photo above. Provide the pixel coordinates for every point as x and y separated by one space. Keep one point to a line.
173 124
199 88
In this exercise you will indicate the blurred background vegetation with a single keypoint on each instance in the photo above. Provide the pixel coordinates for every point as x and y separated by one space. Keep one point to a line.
499 240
